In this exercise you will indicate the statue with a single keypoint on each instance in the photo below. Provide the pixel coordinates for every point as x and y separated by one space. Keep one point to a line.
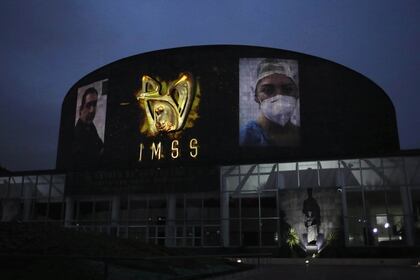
312 214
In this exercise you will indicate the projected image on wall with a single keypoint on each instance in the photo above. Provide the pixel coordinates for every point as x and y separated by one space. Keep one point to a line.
169 106
89 129
269 112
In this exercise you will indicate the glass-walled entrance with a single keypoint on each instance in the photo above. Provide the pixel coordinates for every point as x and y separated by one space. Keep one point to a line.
365 202
174 220
368 202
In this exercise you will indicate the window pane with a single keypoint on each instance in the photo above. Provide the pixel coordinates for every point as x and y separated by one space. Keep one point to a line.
412 165
245 169
328 173
157 210
232 182
43 188
308 165
250 232
308 178
40 211
387 230
269 232
397 230
268 182
230 170
211 236
251 183
55 211
138 233
211 208
85 211
15 188
375 203
372 177
268 202
124 209
180 209
102 211
249 207
371 163
394 171
138 210
234 233
29 187
266 168
357 232
354 202
193 209
308 174
350 170
57 190
4 185
393 197
415 194
329 164
234 203
287 179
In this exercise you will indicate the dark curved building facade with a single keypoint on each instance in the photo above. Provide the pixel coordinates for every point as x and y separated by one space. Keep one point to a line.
341 113
228 146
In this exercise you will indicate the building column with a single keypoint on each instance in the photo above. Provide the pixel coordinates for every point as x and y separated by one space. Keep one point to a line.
27 201
68 215
170 220
115 210
115 215
224 211
341 188
408 215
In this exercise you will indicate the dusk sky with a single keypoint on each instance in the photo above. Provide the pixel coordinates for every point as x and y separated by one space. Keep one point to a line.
48 45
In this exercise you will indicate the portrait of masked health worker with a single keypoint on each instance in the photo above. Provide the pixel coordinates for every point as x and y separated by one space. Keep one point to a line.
277 95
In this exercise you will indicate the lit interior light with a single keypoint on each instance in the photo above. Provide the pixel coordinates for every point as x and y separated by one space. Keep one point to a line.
307 261
375 230
238 260
386 225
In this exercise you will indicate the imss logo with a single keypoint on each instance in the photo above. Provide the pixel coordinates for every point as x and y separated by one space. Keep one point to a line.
169 109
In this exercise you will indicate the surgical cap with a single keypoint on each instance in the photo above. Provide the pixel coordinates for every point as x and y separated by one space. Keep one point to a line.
271 66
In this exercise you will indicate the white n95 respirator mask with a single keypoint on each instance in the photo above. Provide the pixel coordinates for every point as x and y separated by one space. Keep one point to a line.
280 109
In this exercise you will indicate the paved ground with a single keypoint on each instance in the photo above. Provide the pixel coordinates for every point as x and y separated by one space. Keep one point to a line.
327 272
